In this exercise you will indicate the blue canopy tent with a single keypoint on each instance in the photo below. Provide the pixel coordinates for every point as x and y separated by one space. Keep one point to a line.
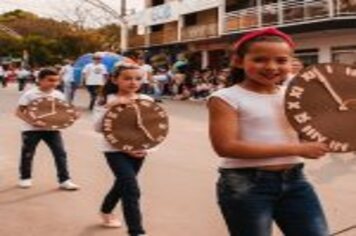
109 59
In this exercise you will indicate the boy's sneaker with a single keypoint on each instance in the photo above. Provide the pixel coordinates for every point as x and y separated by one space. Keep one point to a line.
110 221
68 185
25 183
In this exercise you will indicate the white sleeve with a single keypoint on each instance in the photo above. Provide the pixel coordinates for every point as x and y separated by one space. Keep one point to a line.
105 70
24 100
86 69
60 95
226 97
98 116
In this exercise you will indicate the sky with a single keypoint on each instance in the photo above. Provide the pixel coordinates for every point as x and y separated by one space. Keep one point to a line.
62 9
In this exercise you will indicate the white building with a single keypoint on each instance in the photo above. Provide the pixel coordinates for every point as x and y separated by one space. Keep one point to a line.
324 30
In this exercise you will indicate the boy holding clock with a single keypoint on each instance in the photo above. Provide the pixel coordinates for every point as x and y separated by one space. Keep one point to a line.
33 131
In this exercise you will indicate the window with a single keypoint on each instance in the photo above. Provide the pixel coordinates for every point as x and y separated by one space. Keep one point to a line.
234 5
157 28
191 19
157 2
345 55
308 56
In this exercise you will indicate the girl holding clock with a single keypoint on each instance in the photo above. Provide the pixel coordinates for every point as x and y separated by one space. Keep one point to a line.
261 169
122 89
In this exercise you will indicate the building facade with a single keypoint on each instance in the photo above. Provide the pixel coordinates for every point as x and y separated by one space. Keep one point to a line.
324 30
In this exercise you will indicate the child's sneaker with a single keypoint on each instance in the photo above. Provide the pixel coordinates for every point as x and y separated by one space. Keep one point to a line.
110 221
68 185
25 183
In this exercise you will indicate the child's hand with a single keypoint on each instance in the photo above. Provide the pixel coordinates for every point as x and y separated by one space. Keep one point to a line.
138 154
39 124
312 150
77 114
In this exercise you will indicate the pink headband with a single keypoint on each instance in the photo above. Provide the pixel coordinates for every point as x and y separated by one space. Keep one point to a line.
268 31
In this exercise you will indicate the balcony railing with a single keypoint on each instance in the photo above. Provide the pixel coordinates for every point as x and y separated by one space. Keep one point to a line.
136 41
288 13
163 37
199 31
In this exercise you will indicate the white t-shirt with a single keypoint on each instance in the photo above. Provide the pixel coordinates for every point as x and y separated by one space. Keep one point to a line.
147 70
67 74
23 74
99 113
33 94
95 74
261 120
2 71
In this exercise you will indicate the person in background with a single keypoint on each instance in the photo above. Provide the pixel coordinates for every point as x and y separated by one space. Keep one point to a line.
67 76
23 75
95 75
147 82
2 76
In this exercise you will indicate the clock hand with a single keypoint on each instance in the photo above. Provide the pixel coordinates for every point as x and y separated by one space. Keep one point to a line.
52 112
140 123
330 89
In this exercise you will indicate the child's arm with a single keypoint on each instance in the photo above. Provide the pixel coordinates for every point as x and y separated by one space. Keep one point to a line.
20 114
224 130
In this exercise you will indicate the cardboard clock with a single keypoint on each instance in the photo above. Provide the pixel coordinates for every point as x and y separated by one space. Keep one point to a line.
140 125
320 104
55 113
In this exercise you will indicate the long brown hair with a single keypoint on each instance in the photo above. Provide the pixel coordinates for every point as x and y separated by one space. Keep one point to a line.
112 88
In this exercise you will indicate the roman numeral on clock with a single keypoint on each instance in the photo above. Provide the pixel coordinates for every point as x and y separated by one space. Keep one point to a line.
296 92
302 118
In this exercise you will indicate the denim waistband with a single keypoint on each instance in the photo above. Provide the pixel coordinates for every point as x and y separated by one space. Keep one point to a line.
295 170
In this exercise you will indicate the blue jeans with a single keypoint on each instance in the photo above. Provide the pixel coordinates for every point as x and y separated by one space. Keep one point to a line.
251 199
125 168
53 139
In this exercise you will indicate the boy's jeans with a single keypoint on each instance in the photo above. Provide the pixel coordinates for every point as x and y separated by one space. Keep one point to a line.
250 199
53 139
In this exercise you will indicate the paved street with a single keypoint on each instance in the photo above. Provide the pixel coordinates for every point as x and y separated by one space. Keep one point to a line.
178 181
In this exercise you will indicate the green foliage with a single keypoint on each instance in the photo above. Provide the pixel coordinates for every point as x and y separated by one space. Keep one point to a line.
49 41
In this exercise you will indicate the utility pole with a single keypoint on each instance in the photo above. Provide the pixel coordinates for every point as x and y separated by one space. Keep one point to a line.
118 15
124 28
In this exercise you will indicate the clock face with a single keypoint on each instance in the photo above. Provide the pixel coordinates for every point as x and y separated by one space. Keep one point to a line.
55 113
320 104
138 126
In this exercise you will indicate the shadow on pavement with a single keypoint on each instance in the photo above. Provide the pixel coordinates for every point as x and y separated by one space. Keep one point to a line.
95 230
16 191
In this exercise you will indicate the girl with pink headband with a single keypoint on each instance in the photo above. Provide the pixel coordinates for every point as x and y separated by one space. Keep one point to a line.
261 158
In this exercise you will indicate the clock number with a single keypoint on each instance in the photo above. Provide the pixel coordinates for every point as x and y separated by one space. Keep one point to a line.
127 148
313 133
162 114
350 72
111 138
160 138
338 146
293 105
162 126
119 109
296 92
302 118
308 76
112 115
329 69
145 103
